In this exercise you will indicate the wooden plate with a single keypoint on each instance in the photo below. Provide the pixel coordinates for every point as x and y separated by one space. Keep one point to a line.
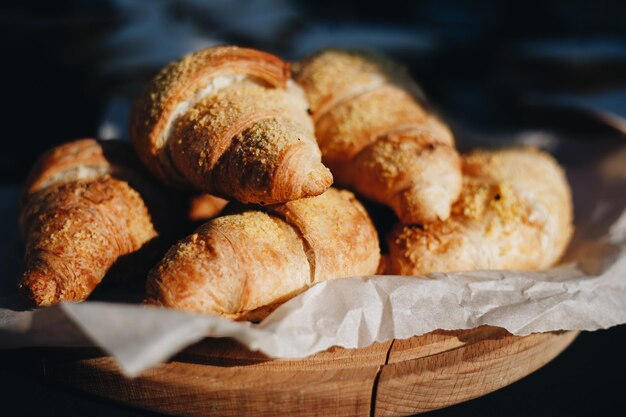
218 377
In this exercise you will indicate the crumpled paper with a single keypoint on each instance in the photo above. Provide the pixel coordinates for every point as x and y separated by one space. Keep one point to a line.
586 292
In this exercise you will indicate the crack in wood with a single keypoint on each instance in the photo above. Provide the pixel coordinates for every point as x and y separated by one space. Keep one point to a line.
376 378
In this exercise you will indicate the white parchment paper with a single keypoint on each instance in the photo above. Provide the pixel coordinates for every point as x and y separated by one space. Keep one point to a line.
586 292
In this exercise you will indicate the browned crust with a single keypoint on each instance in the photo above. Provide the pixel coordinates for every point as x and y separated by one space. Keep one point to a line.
205 207
332 76
75 160
411 171
75 232
64 158
86 204
235 144
358 100
243 265
352 125
338 231
514 212
230 265
181 78
271 162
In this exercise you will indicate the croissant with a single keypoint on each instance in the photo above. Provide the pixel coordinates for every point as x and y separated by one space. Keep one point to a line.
377 135
205 207
80 213
228 121
243 265
514 212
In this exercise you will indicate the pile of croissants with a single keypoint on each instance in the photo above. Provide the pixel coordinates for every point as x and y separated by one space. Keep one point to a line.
231 124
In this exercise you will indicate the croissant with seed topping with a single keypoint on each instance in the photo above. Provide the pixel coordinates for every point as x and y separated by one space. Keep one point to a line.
245 264
377 135
84 207
515 212
228 121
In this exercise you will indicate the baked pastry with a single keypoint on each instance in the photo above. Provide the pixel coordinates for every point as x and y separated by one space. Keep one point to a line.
515 212
203 207
84 207
243 265
228 121
378 136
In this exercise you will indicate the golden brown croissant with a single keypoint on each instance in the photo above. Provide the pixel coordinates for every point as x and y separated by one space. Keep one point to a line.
243 265
227 121
81 211
515 212
377 136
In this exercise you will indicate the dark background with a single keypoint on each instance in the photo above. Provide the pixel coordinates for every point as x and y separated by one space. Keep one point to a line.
499 72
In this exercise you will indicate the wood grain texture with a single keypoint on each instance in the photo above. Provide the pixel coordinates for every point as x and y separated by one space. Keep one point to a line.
400 377
424 375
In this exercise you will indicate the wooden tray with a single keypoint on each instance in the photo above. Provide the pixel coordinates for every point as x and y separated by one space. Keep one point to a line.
219 377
